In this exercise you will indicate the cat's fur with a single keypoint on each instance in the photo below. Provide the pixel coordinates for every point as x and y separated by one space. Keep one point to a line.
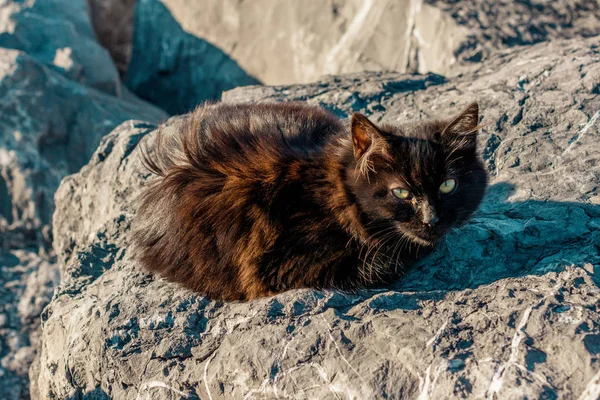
252 200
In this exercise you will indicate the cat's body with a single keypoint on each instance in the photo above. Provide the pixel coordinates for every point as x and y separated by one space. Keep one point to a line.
253 200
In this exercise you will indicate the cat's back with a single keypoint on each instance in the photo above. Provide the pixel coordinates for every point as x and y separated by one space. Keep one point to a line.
226 176
244 135
284 124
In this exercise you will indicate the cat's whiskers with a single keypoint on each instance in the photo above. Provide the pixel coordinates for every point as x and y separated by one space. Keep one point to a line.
387 232
398 249
373 243
373 259
373 263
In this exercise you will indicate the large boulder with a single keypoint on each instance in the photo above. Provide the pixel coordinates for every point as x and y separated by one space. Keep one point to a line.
290 41
298 41
507 307
113 23
173 69
497 24
60 93
59 35
50 127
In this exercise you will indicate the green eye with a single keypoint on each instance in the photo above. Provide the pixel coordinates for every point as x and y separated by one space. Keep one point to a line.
448 186
402 194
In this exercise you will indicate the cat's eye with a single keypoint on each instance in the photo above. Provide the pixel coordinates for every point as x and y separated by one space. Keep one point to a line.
448 186
402 194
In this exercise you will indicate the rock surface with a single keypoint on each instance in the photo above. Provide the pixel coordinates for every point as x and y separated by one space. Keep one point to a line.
289 41
113 23
298 42
508 307
60 93
50 127
58 34
174 69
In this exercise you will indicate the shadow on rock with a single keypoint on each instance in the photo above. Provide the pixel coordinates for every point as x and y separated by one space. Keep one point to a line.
96 394
174 69
510 239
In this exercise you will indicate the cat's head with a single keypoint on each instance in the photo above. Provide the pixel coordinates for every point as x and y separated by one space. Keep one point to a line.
420 179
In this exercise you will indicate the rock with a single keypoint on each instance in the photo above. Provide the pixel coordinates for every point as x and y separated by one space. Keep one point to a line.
297 42
60 94
59 35
27 283
51 126
507 307
500 24
113 23
173 69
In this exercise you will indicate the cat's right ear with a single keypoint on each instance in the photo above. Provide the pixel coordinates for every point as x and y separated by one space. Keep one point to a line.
365 135
462 130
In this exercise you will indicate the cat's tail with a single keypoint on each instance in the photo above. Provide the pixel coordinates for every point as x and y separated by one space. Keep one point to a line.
168 148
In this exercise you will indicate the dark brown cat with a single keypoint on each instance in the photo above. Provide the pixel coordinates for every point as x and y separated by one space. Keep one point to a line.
253 200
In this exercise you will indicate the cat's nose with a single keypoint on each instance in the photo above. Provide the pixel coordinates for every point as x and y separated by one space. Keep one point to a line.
431 221
430 217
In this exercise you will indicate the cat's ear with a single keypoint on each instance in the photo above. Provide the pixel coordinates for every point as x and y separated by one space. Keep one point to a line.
463 128
365 135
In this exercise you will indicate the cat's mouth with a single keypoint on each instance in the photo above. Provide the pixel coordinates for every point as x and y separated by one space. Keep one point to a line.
419 240
423 241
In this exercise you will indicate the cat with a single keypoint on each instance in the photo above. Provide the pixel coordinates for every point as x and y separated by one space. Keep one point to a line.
251 200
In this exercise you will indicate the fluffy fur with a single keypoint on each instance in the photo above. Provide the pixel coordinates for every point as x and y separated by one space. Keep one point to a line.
253 200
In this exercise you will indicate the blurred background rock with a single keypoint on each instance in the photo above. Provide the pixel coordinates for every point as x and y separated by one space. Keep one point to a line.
288 41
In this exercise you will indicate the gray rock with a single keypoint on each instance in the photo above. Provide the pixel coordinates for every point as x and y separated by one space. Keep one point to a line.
50 127
26 285
59 35
113 23
289 41
173 69
507 307
298 42
60 94
499 24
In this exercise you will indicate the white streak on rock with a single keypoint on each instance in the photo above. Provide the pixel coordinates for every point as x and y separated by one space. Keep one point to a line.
582 132
592 390
426 388
206 375
437 334
498 378
320 370
356 30
147 386
340 352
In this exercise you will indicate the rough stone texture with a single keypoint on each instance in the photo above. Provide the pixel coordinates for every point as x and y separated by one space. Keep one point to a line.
174 69
51 120
58 34
298 41
28 281
505 23
113 23
50 127
60 93
290 41
508 307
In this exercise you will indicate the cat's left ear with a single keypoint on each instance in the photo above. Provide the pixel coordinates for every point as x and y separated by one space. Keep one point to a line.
464 127
366 137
